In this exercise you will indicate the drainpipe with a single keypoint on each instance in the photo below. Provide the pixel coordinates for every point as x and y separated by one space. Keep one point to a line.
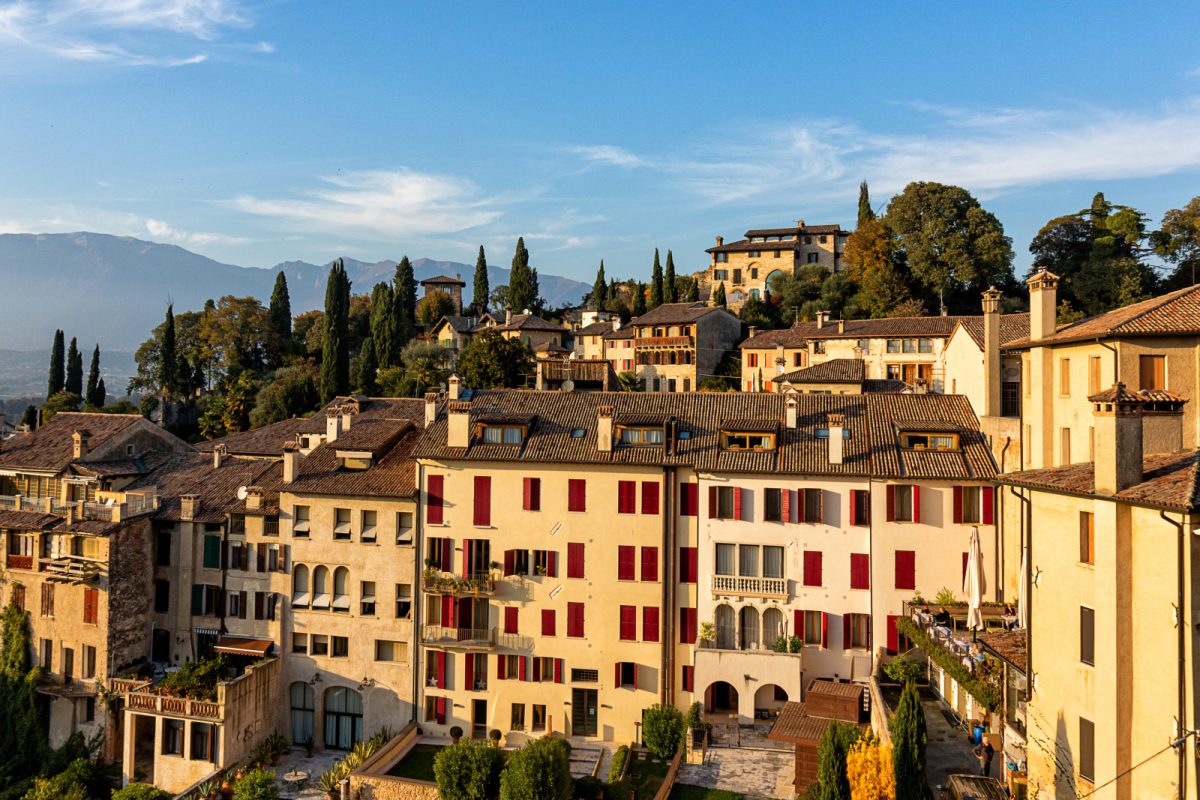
1027 546
417 596
670 577
999 515
1116 362
1180 645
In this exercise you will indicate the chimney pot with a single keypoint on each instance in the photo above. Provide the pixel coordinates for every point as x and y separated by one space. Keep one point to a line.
1118 440
219 452
430 408
835 423
1043 304
799 223
254 497
333 424
189 506
720 241
291 462
454 387
991 352
79 444
792 411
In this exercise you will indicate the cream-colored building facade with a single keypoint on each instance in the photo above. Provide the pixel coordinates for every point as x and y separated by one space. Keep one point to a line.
677 345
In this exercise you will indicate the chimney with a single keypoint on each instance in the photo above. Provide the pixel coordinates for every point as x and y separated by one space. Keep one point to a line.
616 323
991 352
539 367
836 424
219 453
1162 422
454 387
508 316
348 412
604 429
780 359
1118 444
720 241
799 223
791 411
79 444
430 408
753 331
1043 304
458 429
189 506
841 326
291 462
333 424
254 497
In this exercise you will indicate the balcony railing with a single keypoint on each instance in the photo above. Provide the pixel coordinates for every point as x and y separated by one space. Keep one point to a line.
664 341
18 562
480 585
750 587
175 706
444 636
135 504
751 640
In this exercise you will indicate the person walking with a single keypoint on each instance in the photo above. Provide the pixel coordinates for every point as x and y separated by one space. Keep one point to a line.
984 753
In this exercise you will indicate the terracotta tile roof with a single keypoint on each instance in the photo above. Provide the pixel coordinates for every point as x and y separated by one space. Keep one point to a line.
1170 480
675 314
393 473
787 244
796 230
799 334
1012 646
1013 327
528 322
871 450
193 473
836 688
122 467
458 323
595 329
836 370
27 520
746 246
795 336
410 408
50 448
265 441
626 332
795 725
1119 393
1174 313
443 280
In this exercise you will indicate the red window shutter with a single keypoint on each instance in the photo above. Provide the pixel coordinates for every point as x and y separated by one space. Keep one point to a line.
801 510
712 502
441 669
687 626
510 619
798 624
537 669
625 501
447 554
812 568
501 667
989 505
785 505
434 494
440 708
575 560
958 505
649 624
649 563
854 506
558 670
625 562
522 668
548 621
906 569
860 571
618 676
693 564
635 676
577 494
891 503
649 497
689 499
469 672
483 500
737 503
575 619
510 562
628 618
846 630
965 558
532 500
824 630
689 679
916 490
466 557
893 636
552 564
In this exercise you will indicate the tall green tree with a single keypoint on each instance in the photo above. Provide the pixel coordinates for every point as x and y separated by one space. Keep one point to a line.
1178 242
58 368
432 307
93 380
335 354
873 262
480 288
670 290
366 381
404 287
280 309
908 746
691 293
490 361
865 214
832 780
718 298
383 325
168 360
522 281
952 245
600 289
22 736
74 379
656 282
639 299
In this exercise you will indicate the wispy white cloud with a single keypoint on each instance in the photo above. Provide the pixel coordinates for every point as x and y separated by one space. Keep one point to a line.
380 203
607 154
162 33
162 231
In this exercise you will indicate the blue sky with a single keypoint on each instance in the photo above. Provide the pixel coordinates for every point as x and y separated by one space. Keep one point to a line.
260 131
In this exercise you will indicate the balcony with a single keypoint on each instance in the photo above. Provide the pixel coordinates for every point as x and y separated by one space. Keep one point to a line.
18 562
135 504
664 341
750 639
443 636
774 588
479 585
240 691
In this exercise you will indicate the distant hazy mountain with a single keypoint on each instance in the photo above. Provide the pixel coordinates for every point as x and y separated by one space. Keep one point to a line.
114 289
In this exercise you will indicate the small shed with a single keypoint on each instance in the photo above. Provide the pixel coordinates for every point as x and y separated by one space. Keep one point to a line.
803 724
972 787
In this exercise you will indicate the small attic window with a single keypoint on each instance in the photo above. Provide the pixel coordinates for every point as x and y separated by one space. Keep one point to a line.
356 463
639 435
929 441
578 433
747 440
129 450
501 434
823 433
684 435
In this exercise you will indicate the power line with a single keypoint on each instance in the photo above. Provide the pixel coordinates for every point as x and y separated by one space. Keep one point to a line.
1177 743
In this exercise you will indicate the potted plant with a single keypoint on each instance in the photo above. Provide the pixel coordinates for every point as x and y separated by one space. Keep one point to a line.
310 747
494 737
708 632
455 734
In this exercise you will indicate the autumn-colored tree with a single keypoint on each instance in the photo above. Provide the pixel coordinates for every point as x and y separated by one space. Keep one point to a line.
870 771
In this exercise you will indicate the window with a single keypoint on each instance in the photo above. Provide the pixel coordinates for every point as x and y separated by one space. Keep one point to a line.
575 620
1087 635
813 258
367 520
865 346
367 599
929 441
856 631
903 503
300 598
341 592
626 497
812 505
404 527
47 599
212 552
531 494
813 626
893 345
628 623
649 624
518 717
539 717
585 676
689 499
300 643
341 523
47 663
626 564
549 622
172 737
300 521
1087 749
1064 377
748 560
89 661
752 360
575 559
162 597
386 650
650 563
576 494
737 440
1094 386
204 742
860 507
162 548
403 600
545 563
626 675
1087 537
753 254
512 619
649 498
688 564
773 504
906 569
725 502
924 345
640 435
1064 446
860 571
724 559
812 568
341 646
772 565
482 516
502 434
969 500
1153 372
435 488
547 670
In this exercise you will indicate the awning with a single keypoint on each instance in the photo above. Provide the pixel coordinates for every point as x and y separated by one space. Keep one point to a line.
241 646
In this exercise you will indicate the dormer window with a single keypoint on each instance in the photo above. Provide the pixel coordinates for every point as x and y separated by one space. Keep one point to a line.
640 435
929 441
501 434
356 459
747 440
823 433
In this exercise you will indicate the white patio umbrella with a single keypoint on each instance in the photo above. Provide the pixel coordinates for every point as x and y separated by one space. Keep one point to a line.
1023 593
973 586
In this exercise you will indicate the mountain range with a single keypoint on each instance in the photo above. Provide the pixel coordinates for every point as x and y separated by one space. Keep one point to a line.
115 289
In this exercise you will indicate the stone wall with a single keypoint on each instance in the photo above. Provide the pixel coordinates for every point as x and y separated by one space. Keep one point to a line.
370 781
130 586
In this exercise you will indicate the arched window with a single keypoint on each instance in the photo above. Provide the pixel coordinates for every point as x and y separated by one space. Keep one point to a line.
300 587
303 704
320 587
726 628
341 595
773 626
770 284
343 717
748 628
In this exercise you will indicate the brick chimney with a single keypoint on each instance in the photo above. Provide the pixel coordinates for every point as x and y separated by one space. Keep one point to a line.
1118 448
799 223
430 408
189 506
604 429
991 352
458 428
822 319
333 424
720 241
219 453
291 462
79 444
1043 304
836 424
254 497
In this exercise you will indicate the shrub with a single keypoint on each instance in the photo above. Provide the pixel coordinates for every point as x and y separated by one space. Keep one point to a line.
257 784
140 791
618 790
468 771
903 670
541 770
795 644
196 679
455 732
781 644
588 788
869 770
494 737
945 597
618 763
662 729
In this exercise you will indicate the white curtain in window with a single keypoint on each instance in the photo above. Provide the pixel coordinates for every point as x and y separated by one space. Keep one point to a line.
748 560
772 562
724 559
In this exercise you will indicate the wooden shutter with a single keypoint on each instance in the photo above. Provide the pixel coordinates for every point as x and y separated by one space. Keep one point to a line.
532 494
860 571
469 672
737 503
891 502
625 562
649 497
261 557
576 494
537 669
689 495
958 505
689 679
800 511
798 624
447 554
440 707
483 501
824 630
618 675
510 562
812 568
575 619
501 667
552 564
259 604
649 624
548 626
893 635
916 503
965 558
785 505
906 569
624 500
197 600
575 553
466 558
628 619
510 619
434 491
712 502
441 669
989 505
687 626
854 506
242 605
650 563
523 668
91 605
689 564
558 670
846 631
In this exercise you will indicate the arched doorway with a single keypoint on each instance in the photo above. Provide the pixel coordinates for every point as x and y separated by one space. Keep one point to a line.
726 628
770 282
343 718
768 700
721 698
304 704
748 628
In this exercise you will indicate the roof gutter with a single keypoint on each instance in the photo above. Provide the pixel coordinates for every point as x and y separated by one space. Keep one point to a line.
1094 496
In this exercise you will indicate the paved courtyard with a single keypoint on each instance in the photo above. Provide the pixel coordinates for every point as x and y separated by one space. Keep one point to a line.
756 773
297 761
948 750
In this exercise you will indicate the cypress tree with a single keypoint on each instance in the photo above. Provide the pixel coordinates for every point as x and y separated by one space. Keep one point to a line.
480 288
692 292
832 750
383 326
22 736
57 366
74 380
335 352
656 283
718 298
367 368
101 396
93 380
670 295
600 289
29 418
522 281
908 747
280 310
865 214
168 359
639 299
404 287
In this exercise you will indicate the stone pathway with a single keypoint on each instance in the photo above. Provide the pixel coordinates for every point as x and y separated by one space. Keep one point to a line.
757 773
583 759
949 750
297 761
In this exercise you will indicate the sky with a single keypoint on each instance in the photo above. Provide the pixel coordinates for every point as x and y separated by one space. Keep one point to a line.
258 131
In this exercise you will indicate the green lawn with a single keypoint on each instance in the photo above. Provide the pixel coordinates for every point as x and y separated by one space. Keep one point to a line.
646 774
682 791
417 764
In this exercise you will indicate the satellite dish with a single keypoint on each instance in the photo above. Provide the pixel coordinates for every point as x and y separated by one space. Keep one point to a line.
567 386
242 492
